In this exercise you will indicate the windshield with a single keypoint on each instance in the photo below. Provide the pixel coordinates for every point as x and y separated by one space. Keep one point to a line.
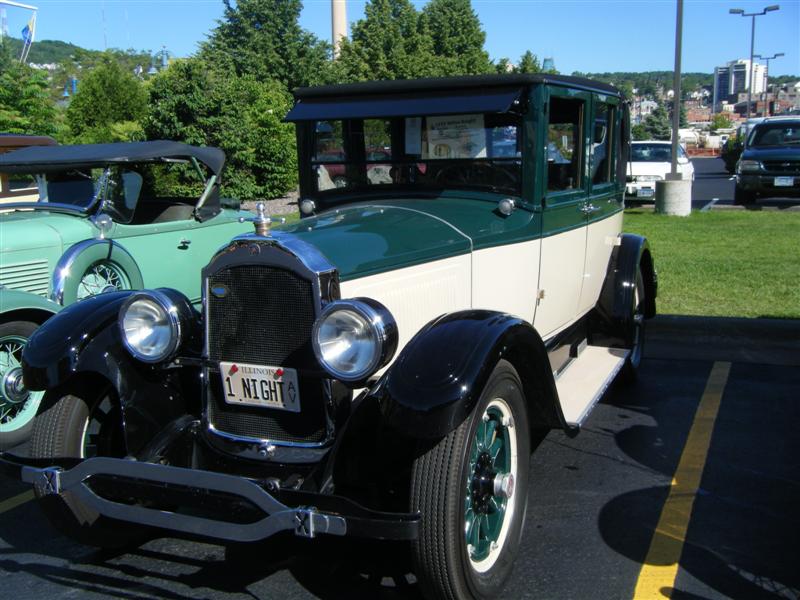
654 152
476 151
776 134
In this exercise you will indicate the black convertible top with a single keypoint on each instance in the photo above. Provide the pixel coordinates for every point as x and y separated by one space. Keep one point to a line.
53 158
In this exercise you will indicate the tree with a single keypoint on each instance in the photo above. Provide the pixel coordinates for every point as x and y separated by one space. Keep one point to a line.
107 97
388 43
721 121
196 104
656 126
528 63
25 105
263 38
683 121
457 37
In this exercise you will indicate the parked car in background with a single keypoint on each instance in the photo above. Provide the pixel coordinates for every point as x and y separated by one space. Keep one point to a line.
650 161
382 368
99 222
16 188
770 162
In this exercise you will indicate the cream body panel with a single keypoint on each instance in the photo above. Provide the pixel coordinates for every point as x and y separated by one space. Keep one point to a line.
506 277
416 295
560 278
601 238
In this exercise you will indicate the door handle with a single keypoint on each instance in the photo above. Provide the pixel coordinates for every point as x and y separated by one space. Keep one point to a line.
589 209
184 244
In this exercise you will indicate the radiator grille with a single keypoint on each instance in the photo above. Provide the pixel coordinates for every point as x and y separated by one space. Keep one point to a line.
782 166
32 276
264 317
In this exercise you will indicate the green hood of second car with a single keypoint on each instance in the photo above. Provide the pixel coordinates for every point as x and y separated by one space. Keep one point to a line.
40 234
368 238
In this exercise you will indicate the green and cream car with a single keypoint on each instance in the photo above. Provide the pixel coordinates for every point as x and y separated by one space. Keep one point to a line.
89 219
382 368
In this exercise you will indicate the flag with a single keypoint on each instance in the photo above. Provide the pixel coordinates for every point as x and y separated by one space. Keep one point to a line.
27 33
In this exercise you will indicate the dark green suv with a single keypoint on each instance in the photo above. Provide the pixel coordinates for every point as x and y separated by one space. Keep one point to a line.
770 163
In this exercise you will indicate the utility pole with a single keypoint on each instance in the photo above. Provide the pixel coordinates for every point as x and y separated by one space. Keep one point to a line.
739 11
339 24
766 79
676 90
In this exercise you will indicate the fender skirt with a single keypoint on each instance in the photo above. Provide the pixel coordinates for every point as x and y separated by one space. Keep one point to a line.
83 340
438 378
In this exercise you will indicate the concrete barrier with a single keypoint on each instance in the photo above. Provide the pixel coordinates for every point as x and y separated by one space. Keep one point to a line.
674 197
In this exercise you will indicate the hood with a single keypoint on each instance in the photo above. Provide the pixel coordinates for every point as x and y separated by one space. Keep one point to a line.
772 153
365 239
39 230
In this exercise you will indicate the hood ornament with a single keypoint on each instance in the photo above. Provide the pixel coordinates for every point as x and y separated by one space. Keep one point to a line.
261 221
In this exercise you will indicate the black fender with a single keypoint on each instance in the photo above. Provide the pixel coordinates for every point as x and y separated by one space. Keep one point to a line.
80 345
612 313
437 379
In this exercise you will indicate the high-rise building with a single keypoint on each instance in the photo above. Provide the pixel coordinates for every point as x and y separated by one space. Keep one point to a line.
734 79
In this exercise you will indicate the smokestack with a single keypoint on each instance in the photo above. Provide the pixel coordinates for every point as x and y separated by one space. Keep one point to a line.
339 21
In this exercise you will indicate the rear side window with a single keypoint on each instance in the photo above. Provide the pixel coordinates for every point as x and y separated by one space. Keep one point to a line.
564 144
602 134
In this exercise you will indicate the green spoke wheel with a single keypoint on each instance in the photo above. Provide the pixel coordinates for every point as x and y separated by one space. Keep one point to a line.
471 491
102 277
18 405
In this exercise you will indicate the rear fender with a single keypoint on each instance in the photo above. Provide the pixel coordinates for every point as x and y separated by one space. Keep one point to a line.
82 343
439 376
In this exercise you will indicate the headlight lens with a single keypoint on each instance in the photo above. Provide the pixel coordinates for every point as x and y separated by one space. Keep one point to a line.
648 178
354 338
748 166
150 325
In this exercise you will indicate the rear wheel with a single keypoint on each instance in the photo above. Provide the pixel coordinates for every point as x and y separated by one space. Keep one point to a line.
18 405
77 427
743 197
471 490
636 327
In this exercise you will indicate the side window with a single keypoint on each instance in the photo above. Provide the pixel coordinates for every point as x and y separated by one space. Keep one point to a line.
378 151
329 155
564 144
602 132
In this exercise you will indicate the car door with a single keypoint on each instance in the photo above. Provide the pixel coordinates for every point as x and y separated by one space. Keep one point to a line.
603 210
563 245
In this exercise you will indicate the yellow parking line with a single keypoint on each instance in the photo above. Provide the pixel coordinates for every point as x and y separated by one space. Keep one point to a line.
660 568
15 501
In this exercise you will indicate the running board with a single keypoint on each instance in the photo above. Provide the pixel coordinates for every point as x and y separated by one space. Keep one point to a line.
581 385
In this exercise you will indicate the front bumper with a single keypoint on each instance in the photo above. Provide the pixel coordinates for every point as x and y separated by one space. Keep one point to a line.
307 514
767 183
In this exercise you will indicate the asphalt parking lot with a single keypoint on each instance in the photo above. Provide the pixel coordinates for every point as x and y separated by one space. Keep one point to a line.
684 484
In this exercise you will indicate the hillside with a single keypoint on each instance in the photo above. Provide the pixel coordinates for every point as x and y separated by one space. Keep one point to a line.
58 52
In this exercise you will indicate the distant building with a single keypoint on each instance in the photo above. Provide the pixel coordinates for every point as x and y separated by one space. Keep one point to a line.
734 79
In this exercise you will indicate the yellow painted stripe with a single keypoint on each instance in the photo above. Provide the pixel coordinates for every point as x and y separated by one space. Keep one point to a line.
15 501
660 568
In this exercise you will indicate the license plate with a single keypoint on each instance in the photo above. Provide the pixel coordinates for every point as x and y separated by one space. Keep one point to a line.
784 181
646 192
259 385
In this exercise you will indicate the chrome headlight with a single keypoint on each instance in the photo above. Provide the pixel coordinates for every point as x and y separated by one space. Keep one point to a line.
748 166
152 325
354 338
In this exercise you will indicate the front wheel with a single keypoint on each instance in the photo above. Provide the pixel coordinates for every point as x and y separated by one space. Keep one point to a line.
471 490
78 427
18 405
743 197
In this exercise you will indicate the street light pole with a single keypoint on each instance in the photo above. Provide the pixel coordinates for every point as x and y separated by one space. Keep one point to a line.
766 79
739 11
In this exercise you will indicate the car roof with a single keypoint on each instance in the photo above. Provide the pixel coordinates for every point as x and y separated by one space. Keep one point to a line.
13 140
54 158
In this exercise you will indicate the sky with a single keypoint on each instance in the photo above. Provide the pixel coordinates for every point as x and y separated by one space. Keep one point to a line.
580 35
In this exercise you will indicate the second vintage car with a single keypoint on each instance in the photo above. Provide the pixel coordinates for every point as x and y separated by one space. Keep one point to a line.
94 218
379 369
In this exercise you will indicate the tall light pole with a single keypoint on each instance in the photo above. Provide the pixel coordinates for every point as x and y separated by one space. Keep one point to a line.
739 11
766 79
339 24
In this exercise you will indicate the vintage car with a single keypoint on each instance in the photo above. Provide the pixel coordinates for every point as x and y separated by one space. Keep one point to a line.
19 188
98 222
380 368
769 165
651 161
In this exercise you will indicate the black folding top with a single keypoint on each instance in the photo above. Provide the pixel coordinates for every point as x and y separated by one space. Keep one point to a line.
53 158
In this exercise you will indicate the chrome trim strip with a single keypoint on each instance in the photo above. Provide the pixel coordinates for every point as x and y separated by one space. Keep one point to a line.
64 265
47 206
261 448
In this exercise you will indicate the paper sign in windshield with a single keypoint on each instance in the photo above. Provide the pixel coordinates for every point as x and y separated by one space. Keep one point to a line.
456 136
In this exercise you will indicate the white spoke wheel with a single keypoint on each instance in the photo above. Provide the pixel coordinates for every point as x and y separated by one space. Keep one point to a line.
18 405
471 491
74 427
101 277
